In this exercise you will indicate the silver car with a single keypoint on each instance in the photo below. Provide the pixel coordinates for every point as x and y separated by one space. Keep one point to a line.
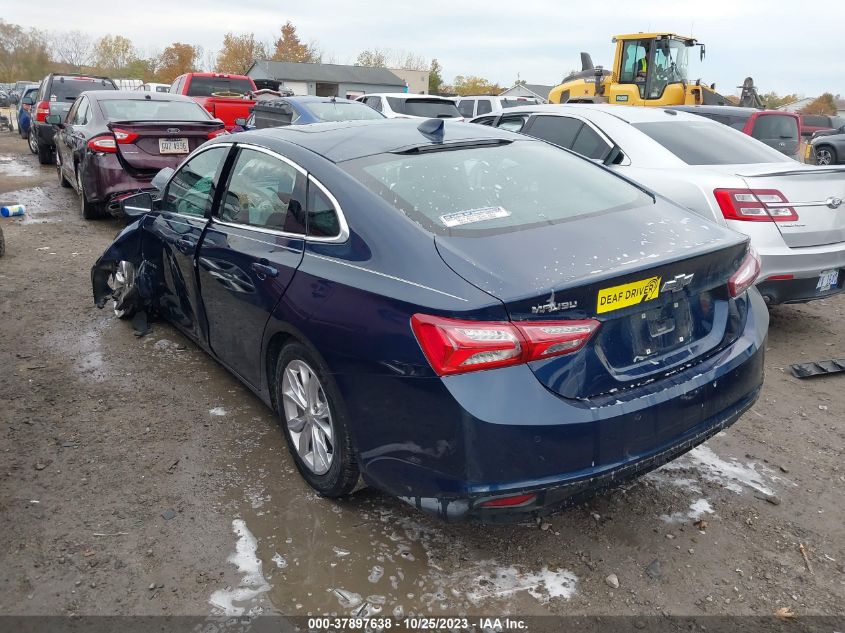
793 213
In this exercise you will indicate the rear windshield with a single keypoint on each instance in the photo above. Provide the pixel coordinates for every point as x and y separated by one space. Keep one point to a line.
514 103
775 126
815 121
342 111
69 88
708 144
219 87
495 188
424 107
148 110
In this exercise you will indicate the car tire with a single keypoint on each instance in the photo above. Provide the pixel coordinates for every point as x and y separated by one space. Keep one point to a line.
125 298
315 419
62 180
90 210
45 155
826 155
32 140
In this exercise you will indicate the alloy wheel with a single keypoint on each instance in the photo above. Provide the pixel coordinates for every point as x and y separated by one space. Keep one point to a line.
122 285
824 157
308 416
33 144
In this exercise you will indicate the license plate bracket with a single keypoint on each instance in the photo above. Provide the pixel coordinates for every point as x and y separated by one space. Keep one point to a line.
173 146
661 329
827 279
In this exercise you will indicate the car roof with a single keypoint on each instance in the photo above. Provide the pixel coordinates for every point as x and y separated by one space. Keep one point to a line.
346 140
78 76
223 75
629 114
730 110
315 99
404 95
138 95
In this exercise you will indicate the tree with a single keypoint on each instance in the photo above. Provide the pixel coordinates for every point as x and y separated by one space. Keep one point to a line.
472 85
825 104
239 52
772 101
375 58
289 48
74 48
176 60
114 53
435 78
23 54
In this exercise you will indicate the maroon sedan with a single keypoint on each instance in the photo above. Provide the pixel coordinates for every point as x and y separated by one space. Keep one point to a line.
112 143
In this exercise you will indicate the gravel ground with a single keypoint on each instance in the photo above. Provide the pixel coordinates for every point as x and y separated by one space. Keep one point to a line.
139 477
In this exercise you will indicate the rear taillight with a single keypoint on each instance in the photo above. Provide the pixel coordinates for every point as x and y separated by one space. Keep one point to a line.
746 274
105 143
217 133
42 111
454 346
124 137
754 205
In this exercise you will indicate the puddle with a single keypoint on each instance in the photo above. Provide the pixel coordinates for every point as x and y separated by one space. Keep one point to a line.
370 554
243 599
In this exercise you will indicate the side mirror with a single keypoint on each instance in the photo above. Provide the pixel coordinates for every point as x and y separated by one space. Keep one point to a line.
160 179
136 206
53 119
240 121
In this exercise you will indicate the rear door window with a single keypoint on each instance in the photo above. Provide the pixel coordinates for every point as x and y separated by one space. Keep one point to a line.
465 107
484 106
560 130
707 144
590 144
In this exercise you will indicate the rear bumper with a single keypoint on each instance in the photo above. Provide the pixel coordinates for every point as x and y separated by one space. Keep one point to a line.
105 179
501 433
802 267
797 290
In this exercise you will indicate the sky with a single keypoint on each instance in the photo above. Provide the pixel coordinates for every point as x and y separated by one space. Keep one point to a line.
785 48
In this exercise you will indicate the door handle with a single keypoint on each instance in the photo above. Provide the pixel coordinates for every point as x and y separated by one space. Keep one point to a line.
184 246
264 271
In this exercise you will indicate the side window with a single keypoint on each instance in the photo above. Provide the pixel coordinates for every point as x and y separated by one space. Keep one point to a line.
488 120
265 192
512 123
375 103
84 112
484 106
465 107
70 117
560 130
191 190
322 215
590 144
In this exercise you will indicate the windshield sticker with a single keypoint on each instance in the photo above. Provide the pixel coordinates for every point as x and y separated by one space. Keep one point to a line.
470 216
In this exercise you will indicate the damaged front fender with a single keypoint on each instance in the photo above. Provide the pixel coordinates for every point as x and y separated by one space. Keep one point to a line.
127 246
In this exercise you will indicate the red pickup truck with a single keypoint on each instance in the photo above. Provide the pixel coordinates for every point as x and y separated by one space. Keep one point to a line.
226 97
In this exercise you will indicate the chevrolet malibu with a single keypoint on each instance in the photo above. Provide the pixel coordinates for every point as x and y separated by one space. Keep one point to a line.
466 318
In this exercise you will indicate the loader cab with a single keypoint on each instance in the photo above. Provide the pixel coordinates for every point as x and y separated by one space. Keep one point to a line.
651 69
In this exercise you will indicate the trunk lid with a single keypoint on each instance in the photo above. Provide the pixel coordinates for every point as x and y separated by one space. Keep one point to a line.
816 194
655 277
154 145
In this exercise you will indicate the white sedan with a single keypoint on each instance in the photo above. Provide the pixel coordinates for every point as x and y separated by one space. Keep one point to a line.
403 105
793 213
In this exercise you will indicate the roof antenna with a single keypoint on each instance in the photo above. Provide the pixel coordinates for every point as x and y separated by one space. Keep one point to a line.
432 129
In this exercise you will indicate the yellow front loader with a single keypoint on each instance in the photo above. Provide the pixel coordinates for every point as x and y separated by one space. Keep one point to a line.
649 69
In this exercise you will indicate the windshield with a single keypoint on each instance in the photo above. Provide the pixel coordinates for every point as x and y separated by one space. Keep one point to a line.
148 110
669 66
219 87
493 188
709 143
342 111
424 107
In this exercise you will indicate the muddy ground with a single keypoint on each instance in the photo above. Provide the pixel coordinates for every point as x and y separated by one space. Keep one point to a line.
139 477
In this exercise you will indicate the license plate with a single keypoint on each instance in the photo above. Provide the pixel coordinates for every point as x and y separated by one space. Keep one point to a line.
827 280
172 146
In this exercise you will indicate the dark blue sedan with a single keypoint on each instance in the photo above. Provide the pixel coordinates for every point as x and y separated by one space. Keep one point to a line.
475 321
307 109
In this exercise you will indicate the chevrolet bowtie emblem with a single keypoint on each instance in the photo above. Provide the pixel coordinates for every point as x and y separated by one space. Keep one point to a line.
677 283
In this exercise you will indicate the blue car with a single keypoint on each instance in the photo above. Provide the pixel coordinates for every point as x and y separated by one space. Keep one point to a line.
307 109
477 322
25 105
